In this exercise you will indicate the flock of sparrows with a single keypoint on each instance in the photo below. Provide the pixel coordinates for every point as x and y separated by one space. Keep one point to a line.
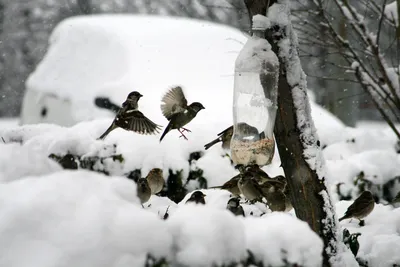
252 182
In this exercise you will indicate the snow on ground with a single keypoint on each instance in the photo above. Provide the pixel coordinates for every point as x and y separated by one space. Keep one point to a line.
55 217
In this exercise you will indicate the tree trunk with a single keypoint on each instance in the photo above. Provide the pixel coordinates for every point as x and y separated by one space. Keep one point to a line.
304 184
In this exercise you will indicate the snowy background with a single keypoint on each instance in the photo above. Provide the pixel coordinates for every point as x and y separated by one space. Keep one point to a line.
51 216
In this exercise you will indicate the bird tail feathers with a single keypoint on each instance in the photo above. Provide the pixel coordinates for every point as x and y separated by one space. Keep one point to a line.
112 127
207 146
167 129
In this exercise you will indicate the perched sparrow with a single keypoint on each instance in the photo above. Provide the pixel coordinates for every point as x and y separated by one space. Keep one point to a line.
282 180
197 197
177 112
225 137
235 207
276 199
131 119
259 175
231 185
249 187
143 190
156 180
361 207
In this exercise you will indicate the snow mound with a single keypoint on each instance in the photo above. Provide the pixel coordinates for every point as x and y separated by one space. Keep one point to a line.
274 234
77 219
205 236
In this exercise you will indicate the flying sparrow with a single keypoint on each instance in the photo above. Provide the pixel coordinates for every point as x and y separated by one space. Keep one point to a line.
131 119
231 185
197 197
156 180
225 137
143 190
360 208
177 112
235 207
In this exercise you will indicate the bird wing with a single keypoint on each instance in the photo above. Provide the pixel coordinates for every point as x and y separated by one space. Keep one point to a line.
174 101
134 120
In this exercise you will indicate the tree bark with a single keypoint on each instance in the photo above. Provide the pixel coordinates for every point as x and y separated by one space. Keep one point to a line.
304 184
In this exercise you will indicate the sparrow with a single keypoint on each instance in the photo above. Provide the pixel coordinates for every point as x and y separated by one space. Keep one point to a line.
360 208
249 187
231 185
259 175
197 197
131 119
143 190
276 199
155 180
177 112
235 207
225 137
104 102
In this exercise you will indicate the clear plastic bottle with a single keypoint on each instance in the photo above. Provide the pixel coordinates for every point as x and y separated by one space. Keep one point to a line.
255 103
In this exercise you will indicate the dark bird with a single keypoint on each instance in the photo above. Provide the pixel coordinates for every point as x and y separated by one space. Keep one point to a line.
361 207
276 199
259 175
225 137
231 185
249 187
197 197
105 103
143 190
177 112
235 207
156 180
131 119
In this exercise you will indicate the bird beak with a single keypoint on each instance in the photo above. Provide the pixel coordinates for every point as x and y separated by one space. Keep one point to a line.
140 95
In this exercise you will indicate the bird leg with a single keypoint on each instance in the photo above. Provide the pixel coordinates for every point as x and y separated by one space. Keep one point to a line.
182 135
361 223
185 129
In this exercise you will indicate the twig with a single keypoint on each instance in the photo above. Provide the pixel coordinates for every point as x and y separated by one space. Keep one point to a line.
378 33
4 141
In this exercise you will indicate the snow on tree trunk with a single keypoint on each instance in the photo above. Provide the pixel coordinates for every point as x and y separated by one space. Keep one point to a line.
296 137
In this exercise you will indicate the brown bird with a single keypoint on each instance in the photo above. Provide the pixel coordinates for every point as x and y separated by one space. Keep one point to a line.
361 207
249 187
235 207
156 180
259 175
143 190
231 185
197 197
131 119
225 137
276 199
177 111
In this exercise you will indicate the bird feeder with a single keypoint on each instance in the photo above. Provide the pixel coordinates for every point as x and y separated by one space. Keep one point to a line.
254 103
